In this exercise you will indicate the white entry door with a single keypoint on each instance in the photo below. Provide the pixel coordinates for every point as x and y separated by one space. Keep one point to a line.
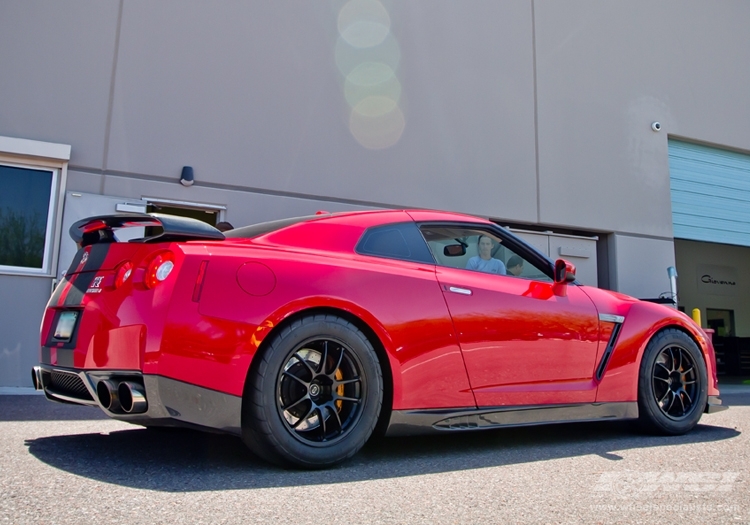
81 205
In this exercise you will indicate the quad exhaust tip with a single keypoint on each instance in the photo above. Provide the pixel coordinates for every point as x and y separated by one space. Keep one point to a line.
132 397
122 396
106 391
36 377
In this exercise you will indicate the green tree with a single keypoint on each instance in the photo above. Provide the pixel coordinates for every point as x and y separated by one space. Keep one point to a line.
21 238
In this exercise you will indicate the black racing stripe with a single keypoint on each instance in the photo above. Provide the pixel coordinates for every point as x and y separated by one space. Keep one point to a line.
80 284
65 357
97 255
55 299
81 281
76 261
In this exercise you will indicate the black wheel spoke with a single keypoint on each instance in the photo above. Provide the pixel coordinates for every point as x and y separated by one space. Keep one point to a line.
342 398
338 364
346 382
304 362
664 398
672 359
679 396
675 381
301 381
321 400
300 400
683 392
335 412
322 416
671 403
664 367
306 416
323 359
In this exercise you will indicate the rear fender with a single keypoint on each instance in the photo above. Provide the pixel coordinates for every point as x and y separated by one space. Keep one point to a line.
278 319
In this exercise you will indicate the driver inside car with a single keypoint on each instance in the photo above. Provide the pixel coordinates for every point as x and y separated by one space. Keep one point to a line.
484 262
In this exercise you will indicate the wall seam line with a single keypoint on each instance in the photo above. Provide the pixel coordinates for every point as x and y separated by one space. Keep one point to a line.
108 126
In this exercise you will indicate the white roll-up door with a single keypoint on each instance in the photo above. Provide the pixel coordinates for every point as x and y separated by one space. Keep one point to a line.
710 193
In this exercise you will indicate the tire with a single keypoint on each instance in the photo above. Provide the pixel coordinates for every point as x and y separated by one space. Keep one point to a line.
672 384
312 399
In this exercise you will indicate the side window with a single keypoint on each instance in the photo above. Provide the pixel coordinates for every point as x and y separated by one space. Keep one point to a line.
395 241
26 201
478 250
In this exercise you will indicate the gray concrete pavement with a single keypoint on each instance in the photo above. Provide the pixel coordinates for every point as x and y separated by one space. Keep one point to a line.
65 464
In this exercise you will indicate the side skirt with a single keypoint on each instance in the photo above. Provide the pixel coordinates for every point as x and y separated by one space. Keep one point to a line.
414 422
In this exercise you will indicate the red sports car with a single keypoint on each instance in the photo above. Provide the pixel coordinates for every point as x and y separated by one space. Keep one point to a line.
306 335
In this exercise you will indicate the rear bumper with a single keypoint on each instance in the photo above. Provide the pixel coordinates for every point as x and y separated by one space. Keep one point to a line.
168 402
714 405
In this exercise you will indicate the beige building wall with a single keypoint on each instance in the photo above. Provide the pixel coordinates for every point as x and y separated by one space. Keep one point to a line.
536 113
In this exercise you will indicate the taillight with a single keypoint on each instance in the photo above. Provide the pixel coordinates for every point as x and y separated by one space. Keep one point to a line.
159 269
123 273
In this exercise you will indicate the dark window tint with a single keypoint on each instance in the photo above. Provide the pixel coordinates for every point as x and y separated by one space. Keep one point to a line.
395 241
24 206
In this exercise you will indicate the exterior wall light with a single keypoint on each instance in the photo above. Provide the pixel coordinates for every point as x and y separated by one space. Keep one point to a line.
187 178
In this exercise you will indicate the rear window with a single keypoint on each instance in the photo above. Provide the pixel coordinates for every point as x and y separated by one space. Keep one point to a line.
254 230
395 241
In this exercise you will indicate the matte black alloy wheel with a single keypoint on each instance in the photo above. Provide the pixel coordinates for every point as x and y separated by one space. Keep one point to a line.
313 395
672 383
320 391
675 382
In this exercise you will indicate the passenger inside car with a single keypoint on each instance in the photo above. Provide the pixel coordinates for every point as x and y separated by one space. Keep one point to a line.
515 266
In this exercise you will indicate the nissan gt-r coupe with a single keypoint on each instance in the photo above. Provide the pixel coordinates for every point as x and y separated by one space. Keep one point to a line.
306 335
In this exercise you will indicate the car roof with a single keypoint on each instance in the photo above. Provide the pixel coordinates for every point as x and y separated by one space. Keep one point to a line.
336 231
363 218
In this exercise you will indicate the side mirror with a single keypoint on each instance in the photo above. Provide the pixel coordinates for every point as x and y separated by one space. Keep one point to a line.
565 272
454 250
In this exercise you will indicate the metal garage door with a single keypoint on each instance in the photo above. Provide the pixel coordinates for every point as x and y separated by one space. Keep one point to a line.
710 193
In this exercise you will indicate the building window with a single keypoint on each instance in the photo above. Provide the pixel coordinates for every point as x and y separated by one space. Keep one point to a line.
26 198
32 181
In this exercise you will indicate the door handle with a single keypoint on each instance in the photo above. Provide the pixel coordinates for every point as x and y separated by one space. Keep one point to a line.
462 291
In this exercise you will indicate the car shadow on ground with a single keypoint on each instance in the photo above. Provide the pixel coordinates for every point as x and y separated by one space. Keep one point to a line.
182 460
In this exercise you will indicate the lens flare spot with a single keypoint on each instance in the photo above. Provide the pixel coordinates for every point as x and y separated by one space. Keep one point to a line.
356 94
349 58
370 74
377 132
364 23
375 106
365 34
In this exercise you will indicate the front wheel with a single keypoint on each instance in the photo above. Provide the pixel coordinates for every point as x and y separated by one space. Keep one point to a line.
313 398
672 384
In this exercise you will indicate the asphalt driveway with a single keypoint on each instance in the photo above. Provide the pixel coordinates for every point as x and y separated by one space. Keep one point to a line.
67 464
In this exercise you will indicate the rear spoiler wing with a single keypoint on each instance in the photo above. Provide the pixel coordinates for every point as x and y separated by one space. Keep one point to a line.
100 229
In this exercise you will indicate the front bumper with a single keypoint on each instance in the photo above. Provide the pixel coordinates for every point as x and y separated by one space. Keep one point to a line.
714 405
168 402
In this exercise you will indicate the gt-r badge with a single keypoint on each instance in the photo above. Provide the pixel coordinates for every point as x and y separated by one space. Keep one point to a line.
95 284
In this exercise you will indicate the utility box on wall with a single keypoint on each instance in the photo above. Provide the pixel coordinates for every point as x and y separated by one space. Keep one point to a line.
581 251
